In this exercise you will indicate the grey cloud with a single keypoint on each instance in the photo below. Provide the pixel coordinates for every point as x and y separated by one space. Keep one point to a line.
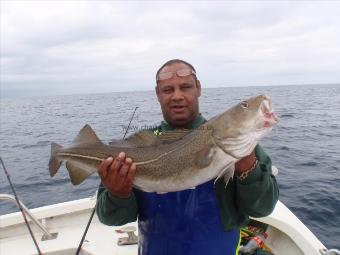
108 43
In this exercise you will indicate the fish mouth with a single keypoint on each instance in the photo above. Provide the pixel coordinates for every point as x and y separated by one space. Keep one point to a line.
269 116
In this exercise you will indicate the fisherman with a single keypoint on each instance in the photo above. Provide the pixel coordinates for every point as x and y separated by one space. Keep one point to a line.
203 220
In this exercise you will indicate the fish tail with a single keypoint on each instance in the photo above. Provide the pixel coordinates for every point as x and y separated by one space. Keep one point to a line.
54 163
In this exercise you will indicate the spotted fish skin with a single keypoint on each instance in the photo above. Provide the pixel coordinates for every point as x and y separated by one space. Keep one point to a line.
175 160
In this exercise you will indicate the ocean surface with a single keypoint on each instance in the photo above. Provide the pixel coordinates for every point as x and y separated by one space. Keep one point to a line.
305 145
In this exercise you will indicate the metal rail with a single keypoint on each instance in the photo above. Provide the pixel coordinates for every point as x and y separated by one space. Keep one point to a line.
47 235
330 252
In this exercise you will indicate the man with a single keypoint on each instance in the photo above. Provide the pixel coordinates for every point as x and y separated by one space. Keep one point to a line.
203 220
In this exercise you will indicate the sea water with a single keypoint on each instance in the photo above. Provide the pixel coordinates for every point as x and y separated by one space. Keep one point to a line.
305 146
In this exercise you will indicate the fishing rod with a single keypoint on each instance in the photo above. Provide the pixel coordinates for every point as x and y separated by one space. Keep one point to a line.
94 209
20 207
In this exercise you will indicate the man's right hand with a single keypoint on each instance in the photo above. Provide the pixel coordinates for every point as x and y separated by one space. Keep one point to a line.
117 175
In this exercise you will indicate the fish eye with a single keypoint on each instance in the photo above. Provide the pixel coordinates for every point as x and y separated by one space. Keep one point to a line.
244 105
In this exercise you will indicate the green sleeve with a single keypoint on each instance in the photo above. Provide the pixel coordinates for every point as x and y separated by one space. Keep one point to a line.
258 193
254 196
115 211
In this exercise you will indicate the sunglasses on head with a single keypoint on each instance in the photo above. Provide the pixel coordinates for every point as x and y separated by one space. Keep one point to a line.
180 73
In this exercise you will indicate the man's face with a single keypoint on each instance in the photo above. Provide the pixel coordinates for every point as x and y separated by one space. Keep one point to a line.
178 96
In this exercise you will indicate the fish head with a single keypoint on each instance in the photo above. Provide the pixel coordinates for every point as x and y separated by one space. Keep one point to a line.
254 116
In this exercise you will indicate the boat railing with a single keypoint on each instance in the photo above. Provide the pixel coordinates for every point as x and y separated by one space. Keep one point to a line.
330 252
47 235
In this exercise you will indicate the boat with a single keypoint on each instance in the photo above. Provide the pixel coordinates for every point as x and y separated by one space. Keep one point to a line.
58 229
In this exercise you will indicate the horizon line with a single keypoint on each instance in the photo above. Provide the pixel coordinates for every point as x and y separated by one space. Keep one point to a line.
10 97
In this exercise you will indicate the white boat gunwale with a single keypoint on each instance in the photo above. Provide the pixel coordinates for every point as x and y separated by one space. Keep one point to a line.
281 220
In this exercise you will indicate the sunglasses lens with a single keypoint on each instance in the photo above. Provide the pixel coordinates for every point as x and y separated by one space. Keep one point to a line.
165 76
180 73
184 72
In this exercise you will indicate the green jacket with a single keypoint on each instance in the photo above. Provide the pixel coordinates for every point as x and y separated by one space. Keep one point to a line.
254 196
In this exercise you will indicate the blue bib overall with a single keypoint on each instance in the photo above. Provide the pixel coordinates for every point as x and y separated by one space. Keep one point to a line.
183 223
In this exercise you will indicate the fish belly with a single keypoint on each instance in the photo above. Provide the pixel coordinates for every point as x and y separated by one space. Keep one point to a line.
189 177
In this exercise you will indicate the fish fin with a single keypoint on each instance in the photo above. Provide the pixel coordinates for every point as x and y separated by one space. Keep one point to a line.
86 135
227 173
148 138
143 138
204 157
114 142
54 163
174 135
78 172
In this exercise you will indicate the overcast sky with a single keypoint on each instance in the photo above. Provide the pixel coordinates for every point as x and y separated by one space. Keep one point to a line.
66 47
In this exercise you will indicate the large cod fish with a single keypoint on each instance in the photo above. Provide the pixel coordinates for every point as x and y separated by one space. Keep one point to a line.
175 160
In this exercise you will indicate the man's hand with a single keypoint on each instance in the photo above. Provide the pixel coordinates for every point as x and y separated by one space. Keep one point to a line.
117 175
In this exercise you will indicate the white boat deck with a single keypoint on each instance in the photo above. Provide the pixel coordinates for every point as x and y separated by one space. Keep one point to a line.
287 234
69 224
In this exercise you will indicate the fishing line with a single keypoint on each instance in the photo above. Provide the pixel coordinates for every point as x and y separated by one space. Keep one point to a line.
94 209
20 207
127 129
